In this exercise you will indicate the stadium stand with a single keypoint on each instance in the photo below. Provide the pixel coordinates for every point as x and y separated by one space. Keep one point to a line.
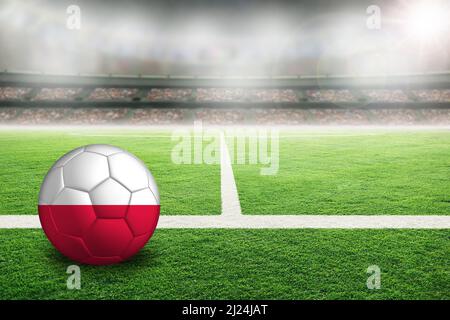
167 101
432 95
56 94
165 116
229 95
331 96
112 94
168 94
157 116
13 93
386 96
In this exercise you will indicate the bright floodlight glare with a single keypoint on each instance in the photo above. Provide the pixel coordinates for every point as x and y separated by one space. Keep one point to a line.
427 19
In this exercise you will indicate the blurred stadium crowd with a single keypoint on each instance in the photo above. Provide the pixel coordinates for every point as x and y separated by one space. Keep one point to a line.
220 116
253 114
224 95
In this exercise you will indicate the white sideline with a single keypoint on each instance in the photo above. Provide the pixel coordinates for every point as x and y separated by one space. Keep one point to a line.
269 222
231 206
305 221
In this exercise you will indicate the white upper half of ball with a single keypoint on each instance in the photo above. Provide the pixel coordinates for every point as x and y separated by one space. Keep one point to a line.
100 175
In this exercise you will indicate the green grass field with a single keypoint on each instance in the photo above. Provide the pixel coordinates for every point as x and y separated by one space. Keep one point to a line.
339 172
329 172
239 264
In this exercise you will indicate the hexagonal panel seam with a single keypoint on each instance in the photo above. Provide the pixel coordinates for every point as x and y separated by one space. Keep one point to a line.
53 221
59 192
150 187
66 234
70 159
154 196
97 185
101 154
141 189
112 154
75 156
70 235
121 218
121 185
131 241
109 167
128 225
127 245
76 189
57 195
82 241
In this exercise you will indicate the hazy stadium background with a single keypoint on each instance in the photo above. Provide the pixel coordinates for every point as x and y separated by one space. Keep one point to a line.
295 46
364 115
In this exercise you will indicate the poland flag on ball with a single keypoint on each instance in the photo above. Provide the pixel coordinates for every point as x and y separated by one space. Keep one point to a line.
99 204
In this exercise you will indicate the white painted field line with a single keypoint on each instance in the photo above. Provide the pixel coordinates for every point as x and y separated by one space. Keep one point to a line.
231 206
306 221
269 222
19 221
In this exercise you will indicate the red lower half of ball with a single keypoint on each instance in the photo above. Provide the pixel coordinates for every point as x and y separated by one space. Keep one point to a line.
99 234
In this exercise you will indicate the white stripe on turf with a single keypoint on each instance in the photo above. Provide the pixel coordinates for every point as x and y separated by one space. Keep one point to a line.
230 199
270 222
19 221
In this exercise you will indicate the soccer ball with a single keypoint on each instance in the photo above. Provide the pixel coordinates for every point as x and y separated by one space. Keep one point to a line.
99 204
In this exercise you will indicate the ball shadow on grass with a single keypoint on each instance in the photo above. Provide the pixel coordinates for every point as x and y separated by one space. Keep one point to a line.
144 258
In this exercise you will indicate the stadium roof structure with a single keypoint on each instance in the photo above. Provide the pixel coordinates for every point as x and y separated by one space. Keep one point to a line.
429 80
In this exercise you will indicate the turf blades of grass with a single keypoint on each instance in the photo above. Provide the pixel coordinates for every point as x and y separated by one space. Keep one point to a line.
339 172
239 264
